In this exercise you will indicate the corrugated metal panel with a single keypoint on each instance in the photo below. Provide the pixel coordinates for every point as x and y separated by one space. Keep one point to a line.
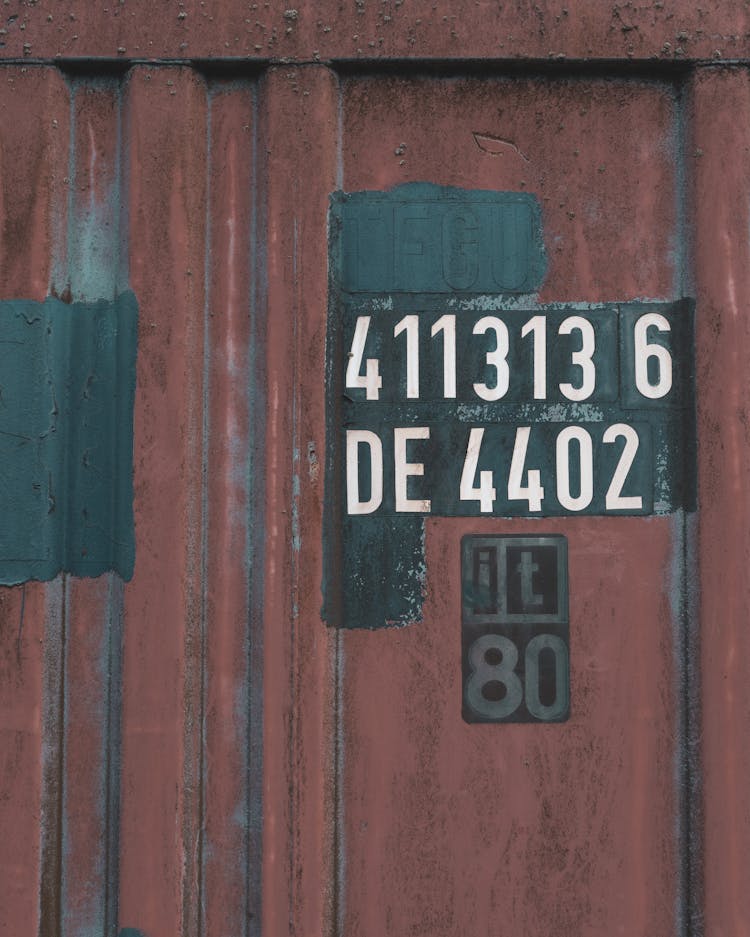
128 733
194 752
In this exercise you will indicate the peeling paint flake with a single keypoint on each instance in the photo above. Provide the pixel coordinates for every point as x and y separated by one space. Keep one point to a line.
496 146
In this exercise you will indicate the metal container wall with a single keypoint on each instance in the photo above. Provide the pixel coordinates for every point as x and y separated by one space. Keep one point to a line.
195 751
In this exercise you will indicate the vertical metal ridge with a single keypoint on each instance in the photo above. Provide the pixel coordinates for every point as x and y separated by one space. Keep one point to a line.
52 824
195 568
95 222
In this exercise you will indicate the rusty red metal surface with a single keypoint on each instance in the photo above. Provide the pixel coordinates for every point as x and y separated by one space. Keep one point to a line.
449 826
672 31
195 752
720 131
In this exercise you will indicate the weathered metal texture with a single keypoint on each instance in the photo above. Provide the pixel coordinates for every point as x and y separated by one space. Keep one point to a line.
450 828
37 148
194 752
719 146
127 736
191 721
299 121
673 30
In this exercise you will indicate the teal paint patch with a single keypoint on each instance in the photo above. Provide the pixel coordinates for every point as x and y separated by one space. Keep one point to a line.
421 237
481 404
67 386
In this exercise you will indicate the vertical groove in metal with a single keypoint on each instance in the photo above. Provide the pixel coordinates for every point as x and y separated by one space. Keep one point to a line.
687 750
255 519
205 442
195 522
678 573
113 752
115 600
719 107
71 283
338 857
694 752
294 663
53 760
293 737
684 586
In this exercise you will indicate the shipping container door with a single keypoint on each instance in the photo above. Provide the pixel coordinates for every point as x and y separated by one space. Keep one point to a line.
408 641
451 827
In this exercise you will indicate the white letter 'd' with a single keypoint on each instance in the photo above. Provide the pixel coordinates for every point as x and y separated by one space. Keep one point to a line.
353 439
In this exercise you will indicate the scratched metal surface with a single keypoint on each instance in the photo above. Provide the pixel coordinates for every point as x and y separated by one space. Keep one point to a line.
193 752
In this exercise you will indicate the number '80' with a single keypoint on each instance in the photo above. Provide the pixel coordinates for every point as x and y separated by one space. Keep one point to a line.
493 689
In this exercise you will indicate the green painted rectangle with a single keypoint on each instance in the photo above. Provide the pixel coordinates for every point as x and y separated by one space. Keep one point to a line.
427 238
67 385
448 397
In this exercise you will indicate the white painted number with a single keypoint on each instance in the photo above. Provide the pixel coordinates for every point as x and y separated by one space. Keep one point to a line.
585 494
447 325
537 326
517 491
410 325
658 353
581 359
614 500
652 364
496 359
371 379
484 493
